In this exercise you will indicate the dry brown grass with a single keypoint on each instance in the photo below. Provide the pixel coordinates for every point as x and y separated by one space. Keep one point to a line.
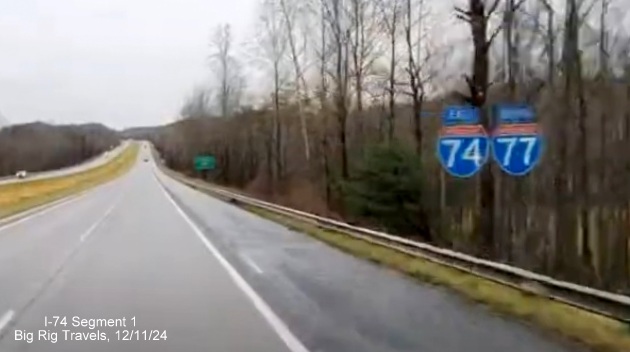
17 197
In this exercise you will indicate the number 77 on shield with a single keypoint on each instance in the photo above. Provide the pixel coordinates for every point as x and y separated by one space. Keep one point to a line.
517 142
463 144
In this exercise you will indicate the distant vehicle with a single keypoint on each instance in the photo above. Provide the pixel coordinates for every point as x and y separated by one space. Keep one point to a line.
21 174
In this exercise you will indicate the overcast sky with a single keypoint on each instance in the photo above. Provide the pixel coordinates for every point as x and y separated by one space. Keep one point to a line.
125 63
119 62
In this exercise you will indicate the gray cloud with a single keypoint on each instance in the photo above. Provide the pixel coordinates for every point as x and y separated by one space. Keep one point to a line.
119 62
133 62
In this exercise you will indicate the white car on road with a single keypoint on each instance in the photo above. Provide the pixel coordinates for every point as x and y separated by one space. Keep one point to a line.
21 174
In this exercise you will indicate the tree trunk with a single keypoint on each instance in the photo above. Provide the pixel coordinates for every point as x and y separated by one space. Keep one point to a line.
391 128
341 91
277 131
300 82
478 88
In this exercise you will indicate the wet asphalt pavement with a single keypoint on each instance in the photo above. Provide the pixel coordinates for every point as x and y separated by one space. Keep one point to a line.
209 276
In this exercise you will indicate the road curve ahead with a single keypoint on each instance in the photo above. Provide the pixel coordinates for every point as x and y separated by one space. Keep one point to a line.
146 264
86 165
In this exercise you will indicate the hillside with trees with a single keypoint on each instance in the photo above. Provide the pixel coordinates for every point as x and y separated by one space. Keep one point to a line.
39 147
354 92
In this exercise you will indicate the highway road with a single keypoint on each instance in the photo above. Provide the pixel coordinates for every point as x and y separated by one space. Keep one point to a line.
192 273
86 165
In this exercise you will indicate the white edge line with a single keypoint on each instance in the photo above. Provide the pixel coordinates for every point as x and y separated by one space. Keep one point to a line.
6 319
253 264
276 323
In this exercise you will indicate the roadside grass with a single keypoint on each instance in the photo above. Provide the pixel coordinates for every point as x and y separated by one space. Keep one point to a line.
596 332
21 196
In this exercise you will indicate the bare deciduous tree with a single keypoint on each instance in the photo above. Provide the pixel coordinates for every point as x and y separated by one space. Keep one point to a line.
273 42
418 57
289 12
391 13
334 16
477 15
227 69
197 105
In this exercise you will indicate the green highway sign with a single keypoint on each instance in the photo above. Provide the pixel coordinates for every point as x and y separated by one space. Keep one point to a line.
205 162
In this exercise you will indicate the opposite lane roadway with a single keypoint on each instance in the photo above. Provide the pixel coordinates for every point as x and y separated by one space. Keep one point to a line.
216 278
91 163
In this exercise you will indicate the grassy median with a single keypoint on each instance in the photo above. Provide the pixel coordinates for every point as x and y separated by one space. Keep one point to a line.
20 196
597 332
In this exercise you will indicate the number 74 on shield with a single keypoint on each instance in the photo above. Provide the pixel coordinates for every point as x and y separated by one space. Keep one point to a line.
471 152
462 155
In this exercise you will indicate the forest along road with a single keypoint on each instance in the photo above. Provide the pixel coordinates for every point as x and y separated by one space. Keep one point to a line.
86 165
198 274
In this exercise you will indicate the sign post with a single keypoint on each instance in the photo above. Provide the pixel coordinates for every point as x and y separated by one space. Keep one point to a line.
516 142
204 163
463 144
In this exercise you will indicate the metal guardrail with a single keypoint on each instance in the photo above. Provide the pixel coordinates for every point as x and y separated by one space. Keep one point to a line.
611 305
